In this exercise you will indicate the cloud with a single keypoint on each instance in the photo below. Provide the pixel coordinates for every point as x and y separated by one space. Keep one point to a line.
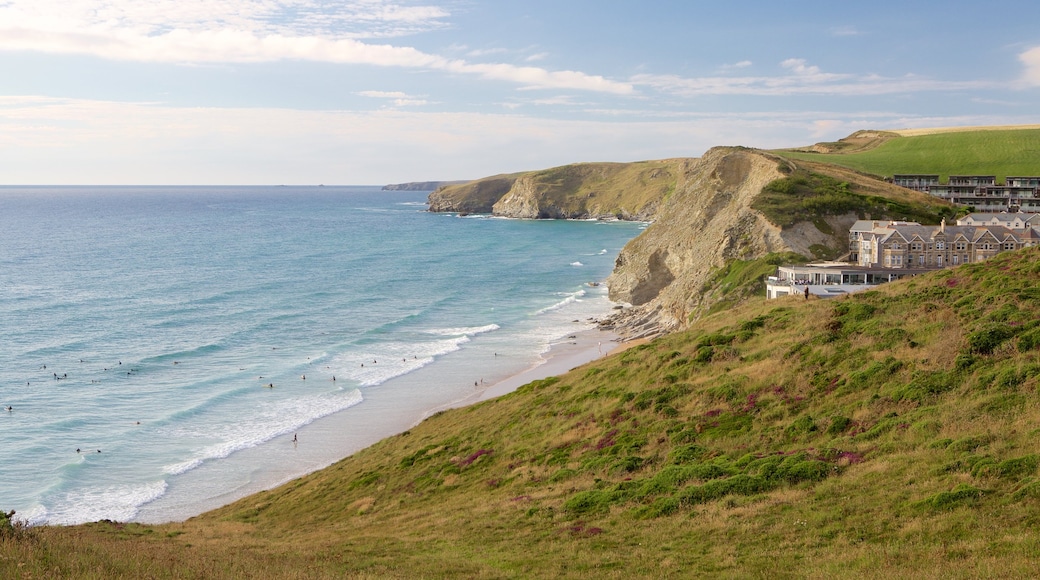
249 31
479 52
69 141
1031 60
845 31
397 98
802 79
383 94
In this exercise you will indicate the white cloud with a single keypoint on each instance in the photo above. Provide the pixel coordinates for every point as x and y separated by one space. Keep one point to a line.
396 98
241 31
1031 60
845 31
64 141
479 52
803 79
383 94
537 57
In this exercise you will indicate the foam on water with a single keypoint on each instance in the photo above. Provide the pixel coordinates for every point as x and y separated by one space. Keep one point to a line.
267 423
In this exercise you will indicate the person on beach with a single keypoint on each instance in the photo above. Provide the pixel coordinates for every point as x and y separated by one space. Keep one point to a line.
806 292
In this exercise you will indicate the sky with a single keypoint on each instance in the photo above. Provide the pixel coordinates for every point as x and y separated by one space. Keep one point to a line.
223 92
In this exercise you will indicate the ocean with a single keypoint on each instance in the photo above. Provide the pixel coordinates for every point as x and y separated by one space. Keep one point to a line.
165 350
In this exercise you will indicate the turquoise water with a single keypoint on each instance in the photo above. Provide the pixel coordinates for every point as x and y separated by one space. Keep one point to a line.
167 342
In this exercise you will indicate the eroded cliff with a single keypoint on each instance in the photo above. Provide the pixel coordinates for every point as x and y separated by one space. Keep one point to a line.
670 274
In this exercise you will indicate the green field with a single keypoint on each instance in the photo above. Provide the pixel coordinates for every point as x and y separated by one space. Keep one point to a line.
1000 153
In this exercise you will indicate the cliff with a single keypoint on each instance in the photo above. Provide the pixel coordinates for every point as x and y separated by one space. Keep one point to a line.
738 213
631 191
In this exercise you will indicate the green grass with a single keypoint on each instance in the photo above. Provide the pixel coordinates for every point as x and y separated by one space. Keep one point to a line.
805 193
1000 153
892 433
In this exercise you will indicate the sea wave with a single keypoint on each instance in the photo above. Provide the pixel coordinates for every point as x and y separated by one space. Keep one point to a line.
381 362
464 330
570 299
113 502
266 424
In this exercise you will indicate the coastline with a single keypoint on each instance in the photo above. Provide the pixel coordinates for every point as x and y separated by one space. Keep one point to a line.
386 411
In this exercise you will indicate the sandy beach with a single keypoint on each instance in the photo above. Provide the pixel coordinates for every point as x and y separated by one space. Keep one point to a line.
387 410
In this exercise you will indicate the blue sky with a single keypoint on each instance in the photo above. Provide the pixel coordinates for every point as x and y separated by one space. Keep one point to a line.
387 91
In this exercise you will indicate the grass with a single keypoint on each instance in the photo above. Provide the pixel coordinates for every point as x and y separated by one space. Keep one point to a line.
889 433
804 192
1000 153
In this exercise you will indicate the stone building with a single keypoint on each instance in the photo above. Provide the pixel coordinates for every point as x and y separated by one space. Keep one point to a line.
889 244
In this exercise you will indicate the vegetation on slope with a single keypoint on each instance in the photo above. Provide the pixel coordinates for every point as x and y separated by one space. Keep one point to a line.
888 433
805 193
1000 153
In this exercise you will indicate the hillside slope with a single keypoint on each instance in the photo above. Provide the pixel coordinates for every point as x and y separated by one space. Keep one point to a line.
739 213
891 433
630 191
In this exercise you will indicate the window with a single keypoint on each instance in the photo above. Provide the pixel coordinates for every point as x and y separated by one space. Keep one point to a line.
939 261
960 246
1009 246
953 260
940 245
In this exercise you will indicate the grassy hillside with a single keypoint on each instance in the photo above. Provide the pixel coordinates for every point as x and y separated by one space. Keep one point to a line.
997 152
889 433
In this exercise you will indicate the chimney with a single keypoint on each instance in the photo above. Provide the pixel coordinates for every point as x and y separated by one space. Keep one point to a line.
942 226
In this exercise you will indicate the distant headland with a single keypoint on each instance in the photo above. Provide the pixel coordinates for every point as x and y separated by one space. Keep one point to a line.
420 185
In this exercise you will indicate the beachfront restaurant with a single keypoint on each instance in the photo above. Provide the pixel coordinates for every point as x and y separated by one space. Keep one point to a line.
830 279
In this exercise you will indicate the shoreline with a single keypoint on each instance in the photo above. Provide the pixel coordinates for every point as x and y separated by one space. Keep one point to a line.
386 411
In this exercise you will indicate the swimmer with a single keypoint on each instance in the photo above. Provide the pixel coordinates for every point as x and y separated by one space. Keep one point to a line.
77 450
303 377
270 385
333 378
10 408
99 451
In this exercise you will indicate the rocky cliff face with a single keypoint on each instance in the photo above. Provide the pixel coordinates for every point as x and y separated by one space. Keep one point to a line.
474 197
705 224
